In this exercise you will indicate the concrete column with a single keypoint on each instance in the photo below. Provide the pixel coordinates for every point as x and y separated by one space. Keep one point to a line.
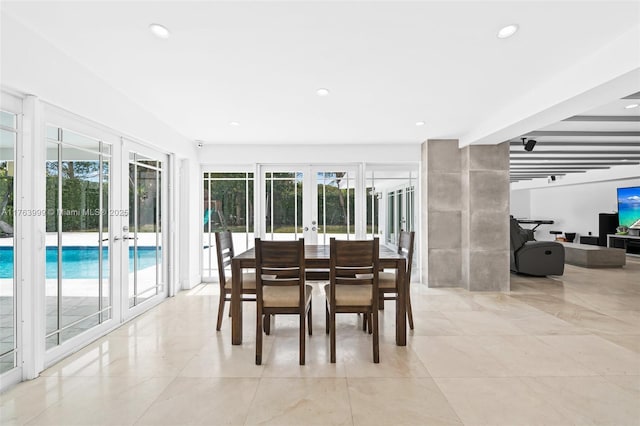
441 213
465 216
485 217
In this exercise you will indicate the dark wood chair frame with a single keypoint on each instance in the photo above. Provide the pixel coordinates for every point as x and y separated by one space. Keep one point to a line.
224 249
348 258
405 248
281 263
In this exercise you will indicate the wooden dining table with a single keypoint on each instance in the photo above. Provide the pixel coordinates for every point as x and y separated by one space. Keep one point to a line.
317 257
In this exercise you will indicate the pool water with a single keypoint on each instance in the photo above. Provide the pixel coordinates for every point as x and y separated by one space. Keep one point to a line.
79 262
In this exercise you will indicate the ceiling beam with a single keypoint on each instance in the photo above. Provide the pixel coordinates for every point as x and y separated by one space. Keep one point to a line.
580 144
603 118
543 172
581 133
569 163
625 158
561 167
579 151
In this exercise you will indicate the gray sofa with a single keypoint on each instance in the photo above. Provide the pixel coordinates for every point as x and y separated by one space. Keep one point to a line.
531 257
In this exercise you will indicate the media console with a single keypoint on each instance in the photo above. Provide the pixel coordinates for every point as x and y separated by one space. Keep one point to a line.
630 243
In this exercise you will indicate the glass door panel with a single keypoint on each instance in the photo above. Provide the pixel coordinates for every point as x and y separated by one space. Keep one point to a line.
283 205
144 236
314 202
8 301
336 205
78 291
228 204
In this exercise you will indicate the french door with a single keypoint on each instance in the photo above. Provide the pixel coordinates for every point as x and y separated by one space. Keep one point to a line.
309 201
144 236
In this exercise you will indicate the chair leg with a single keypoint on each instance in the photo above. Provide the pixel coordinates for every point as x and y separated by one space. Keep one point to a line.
381 301
267 324
369 321
259 337
332 338
409 311
326 318
221 311
309 315
364 321
376 343
302 338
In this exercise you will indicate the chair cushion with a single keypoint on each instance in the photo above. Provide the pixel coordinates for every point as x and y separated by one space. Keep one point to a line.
248 281
351 295
283 296
387 280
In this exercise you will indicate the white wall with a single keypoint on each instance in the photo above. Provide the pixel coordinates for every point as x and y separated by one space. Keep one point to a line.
32 65
574 208
520 204
308 154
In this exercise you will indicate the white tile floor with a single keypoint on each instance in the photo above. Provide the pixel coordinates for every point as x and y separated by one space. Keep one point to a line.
556 351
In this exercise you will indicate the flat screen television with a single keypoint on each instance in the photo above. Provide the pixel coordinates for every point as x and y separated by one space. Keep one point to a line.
629 207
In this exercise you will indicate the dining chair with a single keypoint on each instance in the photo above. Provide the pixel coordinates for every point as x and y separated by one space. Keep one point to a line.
224 248
281 288
353 286
387 287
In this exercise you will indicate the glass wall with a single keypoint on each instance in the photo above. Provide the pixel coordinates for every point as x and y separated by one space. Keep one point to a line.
227 204
390 203
8 294
78 284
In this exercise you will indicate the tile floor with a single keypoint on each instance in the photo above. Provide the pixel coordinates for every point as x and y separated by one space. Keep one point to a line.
557 351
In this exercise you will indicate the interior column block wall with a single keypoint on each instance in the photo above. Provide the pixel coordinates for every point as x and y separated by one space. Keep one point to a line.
442 195
485 217
465 219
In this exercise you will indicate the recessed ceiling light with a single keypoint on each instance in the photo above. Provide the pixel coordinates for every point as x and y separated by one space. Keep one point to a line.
234 123
322 92
508 31
419 123
632 106
159 31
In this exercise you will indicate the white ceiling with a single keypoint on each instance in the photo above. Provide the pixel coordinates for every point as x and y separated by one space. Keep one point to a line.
387 64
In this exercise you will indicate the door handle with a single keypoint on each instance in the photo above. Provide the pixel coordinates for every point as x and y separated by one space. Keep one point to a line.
306 228
313 228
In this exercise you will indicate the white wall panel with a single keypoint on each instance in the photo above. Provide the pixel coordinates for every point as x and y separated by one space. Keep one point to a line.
574 208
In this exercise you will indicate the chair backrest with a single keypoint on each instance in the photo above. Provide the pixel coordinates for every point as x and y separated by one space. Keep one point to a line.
354 263
280 263
518 234
224 249
405 248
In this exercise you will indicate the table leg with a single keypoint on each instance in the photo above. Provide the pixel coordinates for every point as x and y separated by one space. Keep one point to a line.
401 305
236 303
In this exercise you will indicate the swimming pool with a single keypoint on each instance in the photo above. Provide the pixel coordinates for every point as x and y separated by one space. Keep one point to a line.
78 262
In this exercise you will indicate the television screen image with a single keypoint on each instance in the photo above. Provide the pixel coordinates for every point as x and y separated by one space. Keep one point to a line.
629 207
